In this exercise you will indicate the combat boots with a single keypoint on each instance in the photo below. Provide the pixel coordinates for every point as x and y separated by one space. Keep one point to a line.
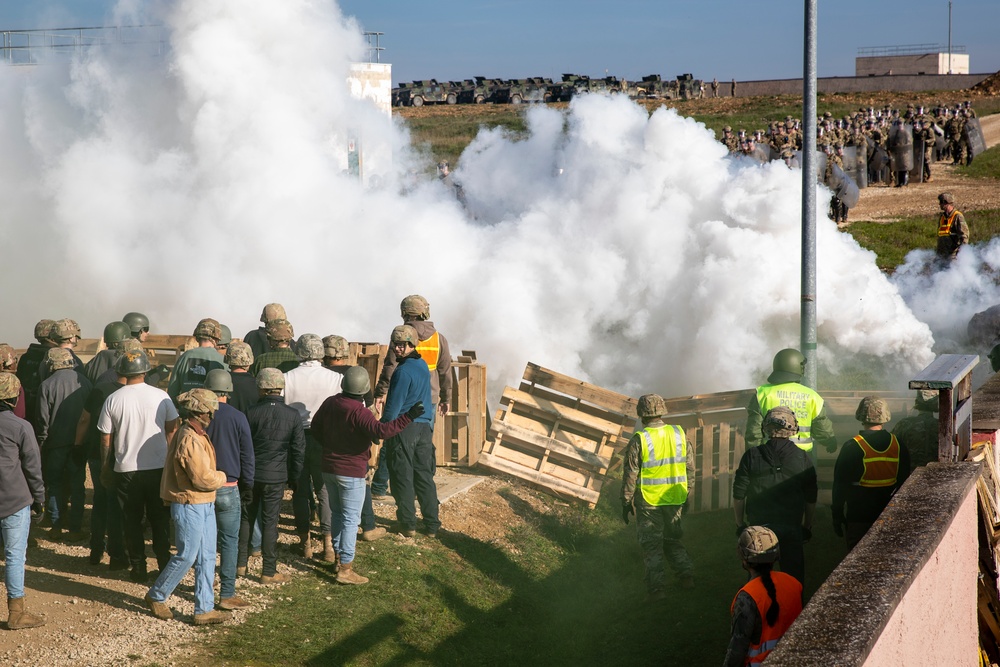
307 549
347 575
329 555
19 619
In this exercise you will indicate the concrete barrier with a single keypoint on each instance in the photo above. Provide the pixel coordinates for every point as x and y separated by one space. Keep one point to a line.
906 594
863 84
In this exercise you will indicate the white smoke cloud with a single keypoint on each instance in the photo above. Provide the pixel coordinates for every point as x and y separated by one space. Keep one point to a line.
208 182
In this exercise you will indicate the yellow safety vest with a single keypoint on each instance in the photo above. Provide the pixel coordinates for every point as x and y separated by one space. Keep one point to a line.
945 223
663 472
881 468
430 350
802 400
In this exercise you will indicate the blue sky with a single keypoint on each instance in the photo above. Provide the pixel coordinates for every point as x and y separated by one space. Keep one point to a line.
456 39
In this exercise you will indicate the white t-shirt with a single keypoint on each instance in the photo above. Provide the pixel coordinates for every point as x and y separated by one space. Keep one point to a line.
136 414
307 386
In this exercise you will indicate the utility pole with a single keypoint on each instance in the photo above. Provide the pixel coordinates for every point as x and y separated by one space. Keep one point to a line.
808 308
949 37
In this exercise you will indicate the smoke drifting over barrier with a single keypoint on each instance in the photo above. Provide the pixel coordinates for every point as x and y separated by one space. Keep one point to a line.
623 248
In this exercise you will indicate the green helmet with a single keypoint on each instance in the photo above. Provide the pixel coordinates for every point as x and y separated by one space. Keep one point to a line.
239 355
8 358
219 380
270 378
415 307
227 336
404 333
132 363
200 400
758 545
651 405
309 347
116 333
59 358
789 366
10 386
873 410
336 347
137 322
356 381
780 422
42 329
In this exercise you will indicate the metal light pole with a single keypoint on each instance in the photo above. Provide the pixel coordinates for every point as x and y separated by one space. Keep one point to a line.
949 37
808 310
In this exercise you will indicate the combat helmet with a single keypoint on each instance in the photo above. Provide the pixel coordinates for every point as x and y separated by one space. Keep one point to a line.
780 422
239 355
208 328
225 335
219 380
873 410
336 347
199 401
404 333
10 386
270 378
63 330
279 330
927 400
137 322
789 366
415 307
42 329
356 381
8 358
132 363
309 347
758 545
651 405
273 311
116 333
59 358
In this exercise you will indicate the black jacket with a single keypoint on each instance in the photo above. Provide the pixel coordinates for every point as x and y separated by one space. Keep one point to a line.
245 392
279 443
777 480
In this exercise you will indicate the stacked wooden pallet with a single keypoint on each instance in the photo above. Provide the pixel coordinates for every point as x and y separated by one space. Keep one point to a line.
559 434
988 588
460 434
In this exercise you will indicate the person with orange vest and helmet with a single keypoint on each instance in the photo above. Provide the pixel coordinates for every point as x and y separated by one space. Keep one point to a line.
870 468
953 231
766 607
783 388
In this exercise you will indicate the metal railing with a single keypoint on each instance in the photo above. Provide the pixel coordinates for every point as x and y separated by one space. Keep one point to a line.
907 50
375 49
24 47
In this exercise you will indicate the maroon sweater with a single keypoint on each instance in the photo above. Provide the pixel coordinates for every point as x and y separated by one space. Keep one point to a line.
346 428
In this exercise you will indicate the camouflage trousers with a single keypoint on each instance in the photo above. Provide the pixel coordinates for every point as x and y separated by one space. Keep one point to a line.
659 530
958 151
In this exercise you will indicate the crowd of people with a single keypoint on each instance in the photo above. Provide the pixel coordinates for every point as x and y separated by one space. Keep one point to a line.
239 422
775 490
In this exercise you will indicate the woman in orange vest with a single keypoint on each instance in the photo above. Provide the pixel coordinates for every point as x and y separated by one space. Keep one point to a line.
768 604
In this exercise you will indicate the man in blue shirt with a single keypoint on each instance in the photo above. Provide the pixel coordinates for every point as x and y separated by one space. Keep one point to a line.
411 453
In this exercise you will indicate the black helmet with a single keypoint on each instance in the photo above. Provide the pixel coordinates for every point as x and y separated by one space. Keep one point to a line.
136 322
356 381
132 363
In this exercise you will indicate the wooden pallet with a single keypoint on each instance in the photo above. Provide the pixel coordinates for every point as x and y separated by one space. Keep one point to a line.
559 434
460 434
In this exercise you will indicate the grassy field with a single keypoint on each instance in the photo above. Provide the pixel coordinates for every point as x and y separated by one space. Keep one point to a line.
570 592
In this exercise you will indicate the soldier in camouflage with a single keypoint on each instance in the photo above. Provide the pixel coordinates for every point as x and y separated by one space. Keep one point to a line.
659 464
919 433
731 142
924 133
954 129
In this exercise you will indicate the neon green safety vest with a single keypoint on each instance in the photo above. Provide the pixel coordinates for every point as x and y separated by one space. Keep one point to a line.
663 475
802 400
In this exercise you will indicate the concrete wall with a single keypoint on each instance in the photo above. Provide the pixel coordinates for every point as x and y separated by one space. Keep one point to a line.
850 84
925 63
906 594
372 81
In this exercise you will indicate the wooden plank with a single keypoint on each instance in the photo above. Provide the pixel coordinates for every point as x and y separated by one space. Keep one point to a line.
556 486
585 391
727 400
627 422
477 411
725 474
708 448
585 457
558 410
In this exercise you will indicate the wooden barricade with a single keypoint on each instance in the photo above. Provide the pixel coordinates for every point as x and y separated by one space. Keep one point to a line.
460 434
559 433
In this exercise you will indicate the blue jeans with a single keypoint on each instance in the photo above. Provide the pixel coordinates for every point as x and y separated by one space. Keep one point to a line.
64 486
367 511
105 519
227 518
15 545
195 532
347 495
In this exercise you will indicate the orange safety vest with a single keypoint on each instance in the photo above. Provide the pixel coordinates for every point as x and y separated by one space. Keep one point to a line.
788 592
881 468
945 223
430 350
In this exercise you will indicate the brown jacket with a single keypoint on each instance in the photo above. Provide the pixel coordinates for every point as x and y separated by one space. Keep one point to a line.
189 475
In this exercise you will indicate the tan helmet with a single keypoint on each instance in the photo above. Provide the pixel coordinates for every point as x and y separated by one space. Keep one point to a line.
8 358
239 355
404 333
927 400
270 378
208 328
63 330
946 198
651 405
336 347
873 410
59 358
10 386
758 545
279 330
199 401
42 329
309 347
780 422
415 307
273 311
132 345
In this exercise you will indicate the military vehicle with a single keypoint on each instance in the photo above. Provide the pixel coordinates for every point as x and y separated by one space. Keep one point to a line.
535 89
652 87
430 92
689 88
479 90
